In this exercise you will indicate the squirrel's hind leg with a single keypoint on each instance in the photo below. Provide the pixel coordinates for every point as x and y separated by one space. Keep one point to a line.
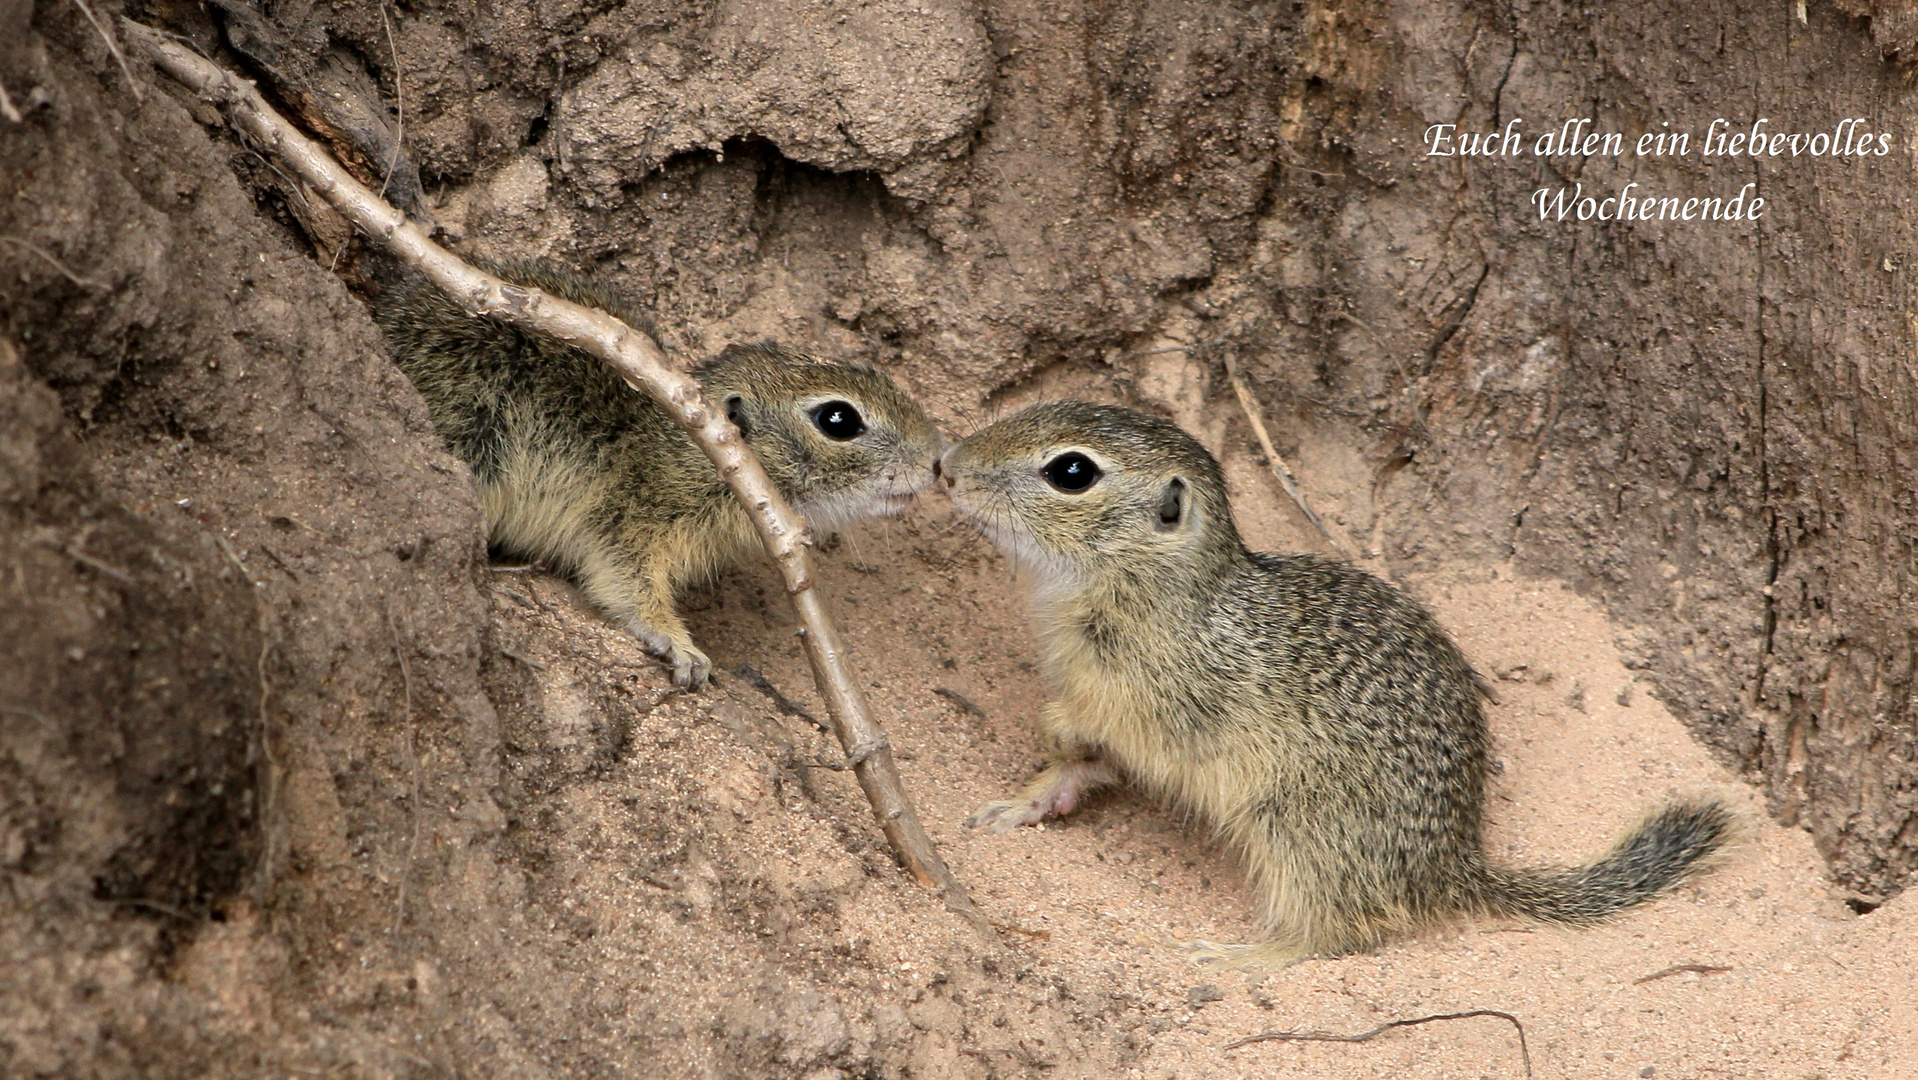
1057 791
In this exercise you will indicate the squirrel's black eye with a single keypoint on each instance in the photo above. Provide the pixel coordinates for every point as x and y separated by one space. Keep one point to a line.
838 420
1072 472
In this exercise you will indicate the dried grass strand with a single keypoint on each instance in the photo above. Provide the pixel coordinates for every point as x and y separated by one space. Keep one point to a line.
1524 1052
1255 416
112 47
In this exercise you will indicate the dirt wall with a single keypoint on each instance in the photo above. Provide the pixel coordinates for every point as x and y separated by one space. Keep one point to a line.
278 790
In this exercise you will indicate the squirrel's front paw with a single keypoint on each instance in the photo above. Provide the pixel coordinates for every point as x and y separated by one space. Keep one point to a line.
1006 815
691 668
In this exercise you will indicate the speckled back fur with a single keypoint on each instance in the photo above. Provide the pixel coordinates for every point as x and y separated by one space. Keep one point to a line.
1315 714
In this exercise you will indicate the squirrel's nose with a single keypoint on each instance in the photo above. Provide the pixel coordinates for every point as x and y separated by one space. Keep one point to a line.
942 469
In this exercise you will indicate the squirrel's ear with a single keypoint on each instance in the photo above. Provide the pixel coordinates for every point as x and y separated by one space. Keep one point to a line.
736 412
1172 505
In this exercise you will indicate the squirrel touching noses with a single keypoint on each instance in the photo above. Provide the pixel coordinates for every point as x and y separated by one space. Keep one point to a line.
1316 716
581 471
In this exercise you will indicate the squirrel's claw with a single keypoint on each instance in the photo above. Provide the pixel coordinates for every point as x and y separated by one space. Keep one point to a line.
1005 815
691 668
1055 792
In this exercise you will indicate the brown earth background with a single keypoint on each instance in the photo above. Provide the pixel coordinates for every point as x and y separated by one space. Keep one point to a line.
292 783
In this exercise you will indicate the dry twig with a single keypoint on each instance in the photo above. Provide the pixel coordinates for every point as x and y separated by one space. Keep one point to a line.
47 257
640 362
112 47
1524 1052
399 96
964 703
1256 417
78 554
758 681
527 660
153 905
1680 969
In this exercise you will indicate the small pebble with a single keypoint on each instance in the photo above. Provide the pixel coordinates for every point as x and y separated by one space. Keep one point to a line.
1199 995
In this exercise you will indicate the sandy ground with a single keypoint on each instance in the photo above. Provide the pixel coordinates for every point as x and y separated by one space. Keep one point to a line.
1756 969
1798 985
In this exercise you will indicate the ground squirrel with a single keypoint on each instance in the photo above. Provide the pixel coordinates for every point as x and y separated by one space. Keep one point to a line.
1314 714
581 471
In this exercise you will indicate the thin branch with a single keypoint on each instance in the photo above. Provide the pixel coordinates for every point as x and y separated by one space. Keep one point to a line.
1366 1036
153 905
640 362
112 47
1292 162
964 703
1256 417
527 660
1679 969
758 681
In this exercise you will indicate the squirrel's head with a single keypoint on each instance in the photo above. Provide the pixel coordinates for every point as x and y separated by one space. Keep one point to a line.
1074 491
840 440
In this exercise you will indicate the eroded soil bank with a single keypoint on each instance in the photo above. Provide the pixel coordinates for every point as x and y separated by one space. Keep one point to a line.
293 782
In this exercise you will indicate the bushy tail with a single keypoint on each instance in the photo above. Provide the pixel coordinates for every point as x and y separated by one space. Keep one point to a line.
1662 851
